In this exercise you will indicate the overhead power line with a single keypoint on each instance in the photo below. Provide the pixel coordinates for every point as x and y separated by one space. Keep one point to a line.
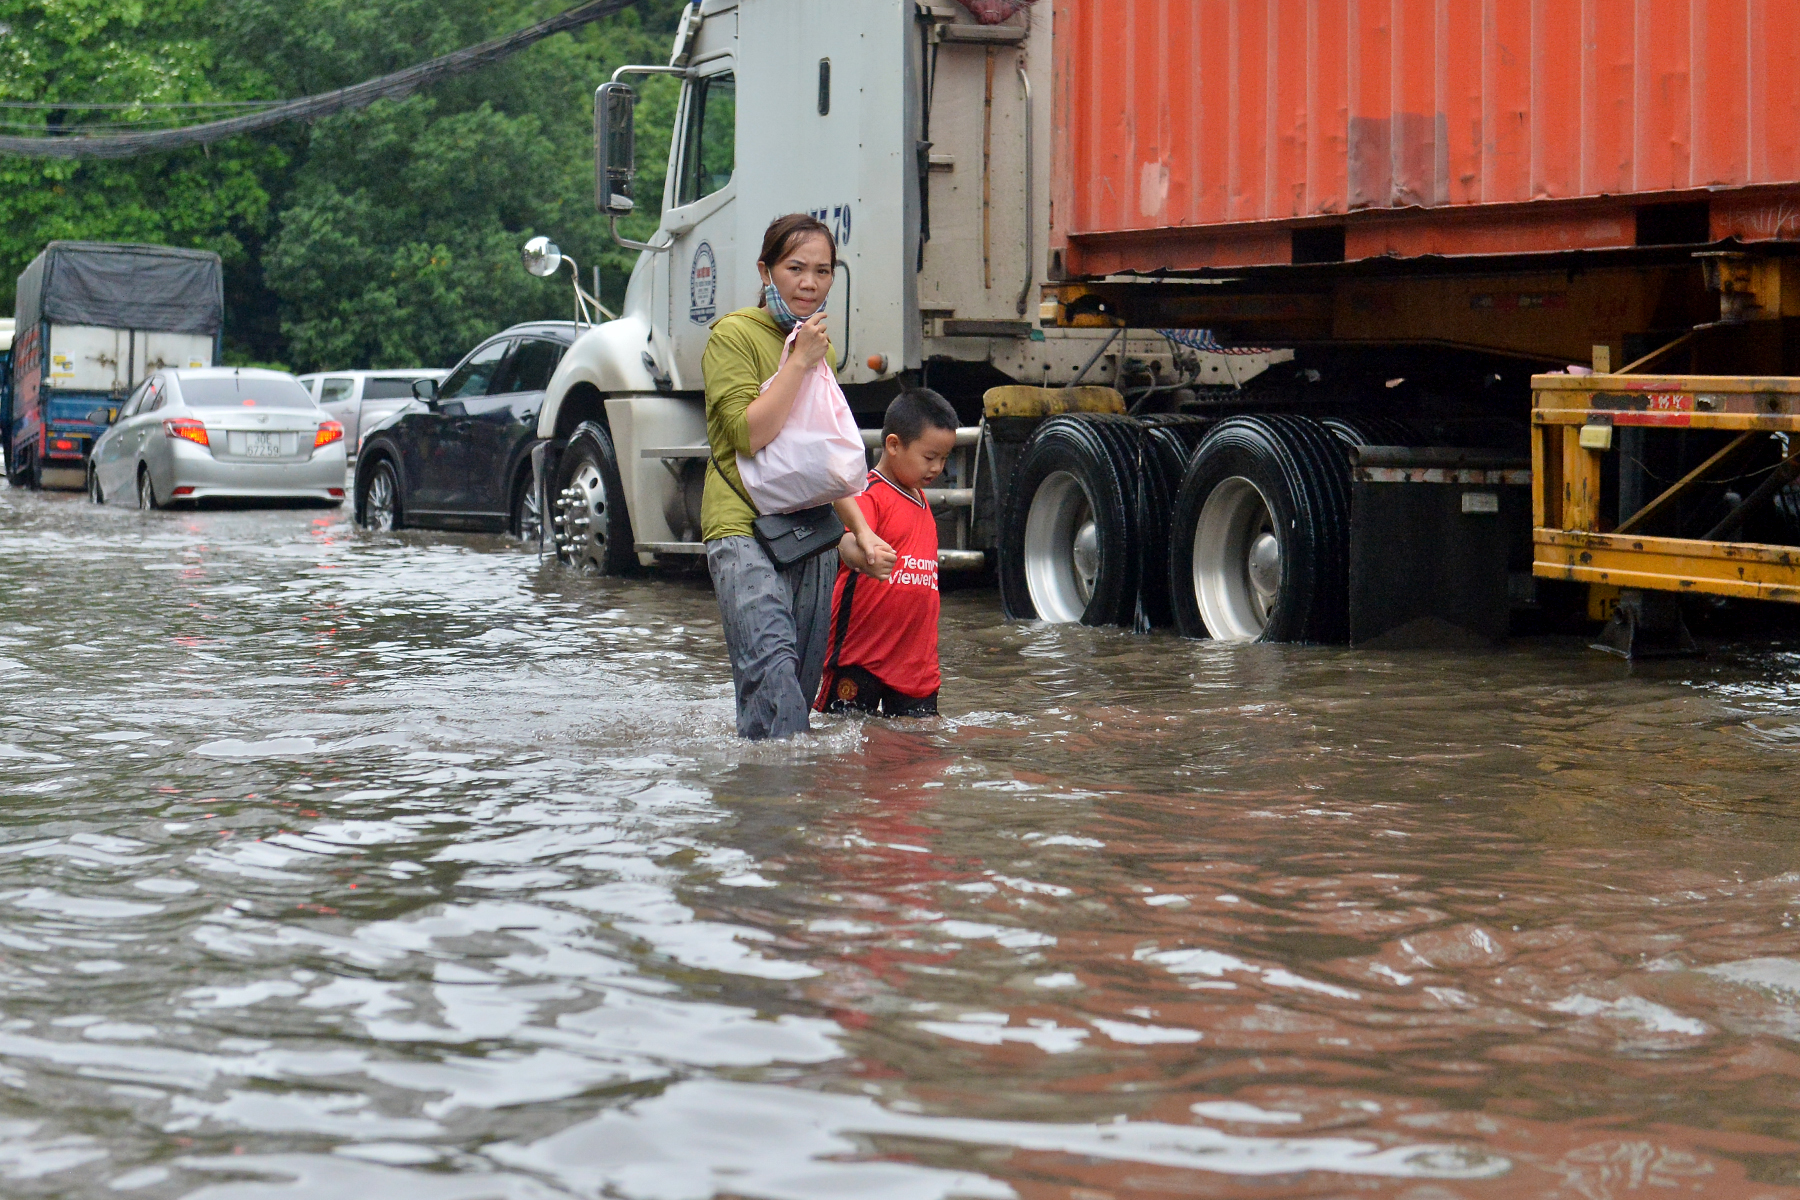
73 106
309 108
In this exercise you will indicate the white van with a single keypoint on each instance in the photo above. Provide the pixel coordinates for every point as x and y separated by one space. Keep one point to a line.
359 399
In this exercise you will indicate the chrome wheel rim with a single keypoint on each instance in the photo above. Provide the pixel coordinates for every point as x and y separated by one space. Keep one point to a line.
1237 561
1062 548
378 505
580 518
531 514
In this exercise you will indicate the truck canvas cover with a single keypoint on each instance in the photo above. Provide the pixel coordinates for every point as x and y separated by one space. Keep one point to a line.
119 285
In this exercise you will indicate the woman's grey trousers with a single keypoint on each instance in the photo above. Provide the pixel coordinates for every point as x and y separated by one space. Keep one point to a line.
776 627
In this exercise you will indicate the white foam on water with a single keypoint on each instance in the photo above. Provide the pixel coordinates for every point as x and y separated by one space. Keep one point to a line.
702 1138
1216 964
1635 1009
326 1114
1047 1036
85 907
1009 936
310 1176
1143 1035
1237 1110
26 1153
1778 975
280 747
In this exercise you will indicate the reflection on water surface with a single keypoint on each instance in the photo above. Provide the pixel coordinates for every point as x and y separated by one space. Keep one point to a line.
341 865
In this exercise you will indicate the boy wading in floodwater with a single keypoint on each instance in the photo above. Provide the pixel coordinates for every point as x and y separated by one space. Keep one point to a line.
884 634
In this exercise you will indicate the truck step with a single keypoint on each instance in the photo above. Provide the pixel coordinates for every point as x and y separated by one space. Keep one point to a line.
948 560
966 435
962 560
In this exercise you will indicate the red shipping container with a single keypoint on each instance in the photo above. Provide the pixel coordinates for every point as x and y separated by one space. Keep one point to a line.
1228 133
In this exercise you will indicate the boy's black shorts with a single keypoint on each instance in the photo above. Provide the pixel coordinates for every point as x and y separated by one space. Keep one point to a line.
852 689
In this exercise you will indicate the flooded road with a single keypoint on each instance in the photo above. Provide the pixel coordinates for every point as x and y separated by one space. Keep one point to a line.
340 865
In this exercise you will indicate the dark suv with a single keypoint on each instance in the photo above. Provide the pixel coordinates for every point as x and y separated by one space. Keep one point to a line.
459 457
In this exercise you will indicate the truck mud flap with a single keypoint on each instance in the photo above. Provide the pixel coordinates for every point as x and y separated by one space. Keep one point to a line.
1435 536
544 459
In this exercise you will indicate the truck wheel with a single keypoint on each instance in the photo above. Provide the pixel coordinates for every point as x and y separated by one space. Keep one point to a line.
1170 443
592 529
1261 534
1067 545
378 497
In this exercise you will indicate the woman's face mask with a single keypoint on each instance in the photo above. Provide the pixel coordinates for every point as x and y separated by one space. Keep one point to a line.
778 308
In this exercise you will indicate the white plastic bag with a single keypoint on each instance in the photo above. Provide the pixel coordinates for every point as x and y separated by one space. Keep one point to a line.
818 455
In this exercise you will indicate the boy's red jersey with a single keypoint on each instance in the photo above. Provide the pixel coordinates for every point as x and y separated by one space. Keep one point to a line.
893 628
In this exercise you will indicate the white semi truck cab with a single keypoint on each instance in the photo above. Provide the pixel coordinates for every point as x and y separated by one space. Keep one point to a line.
922 138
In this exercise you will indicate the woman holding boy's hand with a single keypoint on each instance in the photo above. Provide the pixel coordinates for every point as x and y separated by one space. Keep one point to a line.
776 620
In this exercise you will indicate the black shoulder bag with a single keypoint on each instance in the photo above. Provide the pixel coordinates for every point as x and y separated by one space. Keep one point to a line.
791 538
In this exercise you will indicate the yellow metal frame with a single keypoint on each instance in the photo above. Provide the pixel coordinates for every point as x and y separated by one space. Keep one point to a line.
1566 482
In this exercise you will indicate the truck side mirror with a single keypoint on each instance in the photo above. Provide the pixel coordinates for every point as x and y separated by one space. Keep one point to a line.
615 148
426 390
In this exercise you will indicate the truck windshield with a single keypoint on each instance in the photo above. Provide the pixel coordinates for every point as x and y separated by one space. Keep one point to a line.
245 391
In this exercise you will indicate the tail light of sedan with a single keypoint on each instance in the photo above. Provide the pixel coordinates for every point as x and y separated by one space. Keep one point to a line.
329 432
188 428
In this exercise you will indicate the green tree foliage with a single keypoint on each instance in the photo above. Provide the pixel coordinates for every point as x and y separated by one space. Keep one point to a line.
138 52
385 237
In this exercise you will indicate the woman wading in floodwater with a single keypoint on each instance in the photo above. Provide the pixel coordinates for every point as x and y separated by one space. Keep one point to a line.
775 620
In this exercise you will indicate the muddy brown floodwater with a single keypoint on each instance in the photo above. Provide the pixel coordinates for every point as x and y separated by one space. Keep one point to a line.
340 865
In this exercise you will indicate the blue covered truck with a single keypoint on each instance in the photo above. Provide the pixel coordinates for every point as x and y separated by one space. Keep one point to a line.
6 339
91 320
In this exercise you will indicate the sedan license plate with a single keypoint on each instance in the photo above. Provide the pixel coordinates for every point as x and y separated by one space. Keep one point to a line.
262 445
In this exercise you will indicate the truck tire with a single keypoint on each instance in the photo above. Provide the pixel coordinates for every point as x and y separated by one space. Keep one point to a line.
587 508
1068 550
1170 443
1259 543
378 506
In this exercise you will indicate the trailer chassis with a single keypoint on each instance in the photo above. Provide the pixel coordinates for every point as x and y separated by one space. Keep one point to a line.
1576 422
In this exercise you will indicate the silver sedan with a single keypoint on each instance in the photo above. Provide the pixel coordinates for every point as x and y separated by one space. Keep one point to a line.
244 433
